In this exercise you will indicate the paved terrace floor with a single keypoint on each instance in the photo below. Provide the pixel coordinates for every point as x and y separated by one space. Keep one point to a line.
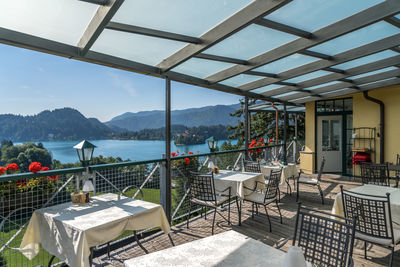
258 228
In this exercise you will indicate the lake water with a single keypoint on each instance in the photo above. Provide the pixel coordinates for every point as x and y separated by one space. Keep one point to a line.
136 150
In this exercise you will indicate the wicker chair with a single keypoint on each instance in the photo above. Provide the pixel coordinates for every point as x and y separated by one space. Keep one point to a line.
267 196
325 239
377 174
312 181
374 219
202 192
252 166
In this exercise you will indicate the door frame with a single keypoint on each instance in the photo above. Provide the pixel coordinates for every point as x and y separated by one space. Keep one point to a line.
344 135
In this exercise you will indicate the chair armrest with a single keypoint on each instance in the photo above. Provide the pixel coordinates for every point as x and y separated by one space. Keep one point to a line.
229 189
255 186
283 242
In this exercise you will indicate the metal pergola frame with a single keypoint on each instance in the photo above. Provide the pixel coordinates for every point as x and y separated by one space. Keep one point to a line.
252 14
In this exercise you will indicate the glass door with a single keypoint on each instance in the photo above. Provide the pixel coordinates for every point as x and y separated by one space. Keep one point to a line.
330 142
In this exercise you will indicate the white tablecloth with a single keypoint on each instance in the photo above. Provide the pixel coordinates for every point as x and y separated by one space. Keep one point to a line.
225 249
288 171
68 230
237 180
377 190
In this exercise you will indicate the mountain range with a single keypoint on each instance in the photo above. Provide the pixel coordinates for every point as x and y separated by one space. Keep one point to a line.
70 124
204 116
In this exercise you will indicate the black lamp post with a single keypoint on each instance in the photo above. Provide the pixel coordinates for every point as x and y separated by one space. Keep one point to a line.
85 152
212 143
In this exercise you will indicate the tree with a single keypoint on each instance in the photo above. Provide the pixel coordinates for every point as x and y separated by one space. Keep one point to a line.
263 123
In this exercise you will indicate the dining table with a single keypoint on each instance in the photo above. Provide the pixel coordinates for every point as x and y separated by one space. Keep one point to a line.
226 249
70 231
288 171
241 183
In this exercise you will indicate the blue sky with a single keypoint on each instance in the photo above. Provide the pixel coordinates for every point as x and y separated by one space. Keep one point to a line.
31 81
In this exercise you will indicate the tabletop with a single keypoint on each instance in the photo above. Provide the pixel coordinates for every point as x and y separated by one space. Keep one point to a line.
226 249
68 230
238 181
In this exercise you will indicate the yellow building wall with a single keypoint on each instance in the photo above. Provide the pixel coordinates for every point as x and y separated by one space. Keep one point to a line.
365 114
307 157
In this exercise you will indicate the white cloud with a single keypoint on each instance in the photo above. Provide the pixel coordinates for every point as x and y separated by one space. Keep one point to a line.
124 83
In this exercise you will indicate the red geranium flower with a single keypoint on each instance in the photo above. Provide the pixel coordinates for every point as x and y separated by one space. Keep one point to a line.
173 154
258 150
190 153
43 169
2 170
271 140
187 160
12 167
35 167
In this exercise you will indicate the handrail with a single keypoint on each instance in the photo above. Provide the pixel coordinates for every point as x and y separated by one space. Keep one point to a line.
30 175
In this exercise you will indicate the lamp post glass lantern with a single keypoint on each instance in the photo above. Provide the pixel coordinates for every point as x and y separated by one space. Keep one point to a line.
85 152
212 143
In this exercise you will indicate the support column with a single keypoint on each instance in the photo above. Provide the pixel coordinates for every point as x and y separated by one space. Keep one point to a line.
246 126
295 139
284 133
166 184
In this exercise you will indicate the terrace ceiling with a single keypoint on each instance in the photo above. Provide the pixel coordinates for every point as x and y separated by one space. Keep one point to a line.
291 51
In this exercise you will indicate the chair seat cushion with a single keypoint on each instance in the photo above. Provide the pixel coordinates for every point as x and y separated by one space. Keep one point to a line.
306 180
381 241
259 197
220 200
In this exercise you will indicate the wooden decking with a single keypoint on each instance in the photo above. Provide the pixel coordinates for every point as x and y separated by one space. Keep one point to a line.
258 228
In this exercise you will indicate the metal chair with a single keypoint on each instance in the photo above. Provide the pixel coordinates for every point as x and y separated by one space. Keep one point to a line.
312 181
252 166
377 174
325 239
202 192
265 196
374 219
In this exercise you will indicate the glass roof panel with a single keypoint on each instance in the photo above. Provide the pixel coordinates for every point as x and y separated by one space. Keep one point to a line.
139 48
189 17
308 76
286 63
63 21
322 85
372 73
285 94
398 16
367 59
241 79
201 68
250 42
266 88
311 15
357 38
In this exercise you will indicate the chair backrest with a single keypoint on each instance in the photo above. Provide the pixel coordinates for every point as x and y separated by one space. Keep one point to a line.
398 163
373 213
272 189
252 166
375 174
324 238
202 187
321 169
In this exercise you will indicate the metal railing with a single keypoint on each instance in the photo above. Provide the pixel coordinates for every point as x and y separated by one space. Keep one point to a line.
21 194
